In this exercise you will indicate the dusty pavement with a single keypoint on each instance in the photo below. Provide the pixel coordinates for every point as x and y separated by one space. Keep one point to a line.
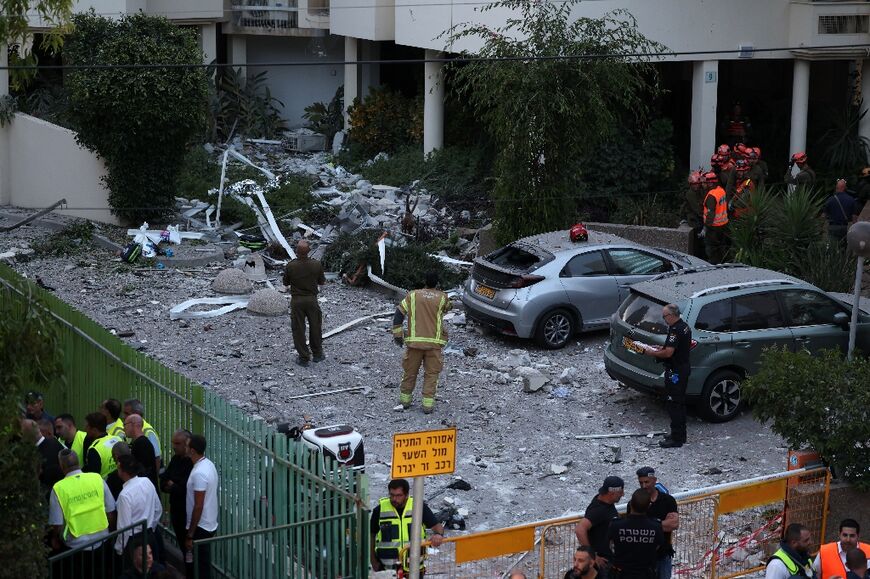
509 441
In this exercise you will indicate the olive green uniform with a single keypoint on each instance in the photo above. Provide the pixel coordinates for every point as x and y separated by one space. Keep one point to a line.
304 275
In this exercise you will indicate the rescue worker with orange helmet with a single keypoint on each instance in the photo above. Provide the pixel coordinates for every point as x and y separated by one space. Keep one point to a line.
805 176
757 169
739 202
715 232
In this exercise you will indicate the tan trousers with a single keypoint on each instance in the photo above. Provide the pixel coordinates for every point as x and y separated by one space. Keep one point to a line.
304 309
432 361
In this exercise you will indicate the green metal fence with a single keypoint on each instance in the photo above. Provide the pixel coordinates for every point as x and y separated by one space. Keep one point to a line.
267 480
97 559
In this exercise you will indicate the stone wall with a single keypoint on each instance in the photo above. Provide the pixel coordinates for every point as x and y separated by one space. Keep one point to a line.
679 239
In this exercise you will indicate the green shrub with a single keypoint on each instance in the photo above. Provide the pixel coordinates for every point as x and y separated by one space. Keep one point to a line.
399 169
241 105
199 173
386 120
819 401
73 238
327 118
647 210
406 266
139 120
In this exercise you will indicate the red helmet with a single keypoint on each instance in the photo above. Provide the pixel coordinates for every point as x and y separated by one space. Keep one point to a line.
695 178
742 150
799 157
757 151
723 150
716 160
579 233
710 177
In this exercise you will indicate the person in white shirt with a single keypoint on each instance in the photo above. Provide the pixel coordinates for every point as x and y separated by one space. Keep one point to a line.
138 500
202 506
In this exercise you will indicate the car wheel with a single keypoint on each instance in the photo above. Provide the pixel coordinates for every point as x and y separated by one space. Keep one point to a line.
722 396
555 329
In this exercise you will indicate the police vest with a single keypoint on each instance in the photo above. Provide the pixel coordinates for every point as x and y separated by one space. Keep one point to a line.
794 570
117 428
720 217
82 501
394 531
425 313
103 446
830 562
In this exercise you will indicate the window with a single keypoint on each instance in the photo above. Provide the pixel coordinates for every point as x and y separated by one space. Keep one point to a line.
715 317
645 313
632 262
757 312
808 308
516 258
586 264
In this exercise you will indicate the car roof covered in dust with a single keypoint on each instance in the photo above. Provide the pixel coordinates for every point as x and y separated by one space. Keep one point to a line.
556 241
680 285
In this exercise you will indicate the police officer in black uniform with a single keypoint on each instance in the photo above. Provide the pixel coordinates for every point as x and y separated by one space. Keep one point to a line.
636 541
675 354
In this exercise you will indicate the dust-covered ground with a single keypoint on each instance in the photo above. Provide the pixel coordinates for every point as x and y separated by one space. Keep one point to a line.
511 444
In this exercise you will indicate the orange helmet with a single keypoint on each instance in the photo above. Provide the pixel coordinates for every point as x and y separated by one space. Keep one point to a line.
799 157
723 150
695 178
741 150
757 151
716 160
710 177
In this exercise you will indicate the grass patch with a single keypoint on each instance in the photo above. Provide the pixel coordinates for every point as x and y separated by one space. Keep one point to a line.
70 240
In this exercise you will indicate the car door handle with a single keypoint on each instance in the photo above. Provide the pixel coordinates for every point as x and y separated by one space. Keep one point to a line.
743 344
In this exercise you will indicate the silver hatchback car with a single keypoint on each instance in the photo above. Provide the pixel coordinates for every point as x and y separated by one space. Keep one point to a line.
549 288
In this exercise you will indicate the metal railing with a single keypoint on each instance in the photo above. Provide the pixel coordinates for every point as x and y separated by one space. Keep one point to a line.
266 480
725 531
96 558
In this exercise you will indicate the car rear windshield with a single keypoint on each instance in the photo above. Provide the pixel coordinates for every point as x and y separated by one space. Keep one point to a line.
644 312
518 258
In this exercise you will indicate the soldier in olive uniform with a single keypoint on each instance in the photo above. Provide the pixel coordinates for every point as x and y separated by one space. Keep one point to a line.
304 275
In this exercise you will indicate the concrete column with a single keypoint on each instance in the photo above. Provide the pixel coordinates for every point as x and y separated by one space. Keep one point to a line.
433 103
370 73
208 42
800 98
864 125
5 168
351 76
239 49
705 84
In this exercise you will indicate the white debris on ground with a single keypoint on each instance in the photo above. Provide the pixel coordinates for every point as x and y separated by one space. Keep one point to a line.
524 415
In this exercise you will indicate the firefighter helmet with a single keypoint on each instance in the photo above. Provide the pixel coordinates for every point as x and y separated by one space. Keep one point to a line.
710 177
695 177
579 233
723 150
799 157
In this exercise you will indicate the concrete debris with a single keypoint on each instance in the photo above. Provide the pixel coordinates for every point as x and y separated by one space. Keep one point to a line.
253 266
267 302
569 375
16 252
231 281
558 468
518 358
533 380
33 217
613 453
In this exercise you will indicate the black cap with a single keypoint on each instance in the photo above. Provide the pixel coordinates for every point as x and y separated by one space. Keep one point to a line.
611 482
646 471
32 396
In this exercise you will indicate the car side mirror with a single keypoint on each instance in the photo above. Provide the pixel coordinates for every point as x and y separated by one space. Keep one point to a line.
842 320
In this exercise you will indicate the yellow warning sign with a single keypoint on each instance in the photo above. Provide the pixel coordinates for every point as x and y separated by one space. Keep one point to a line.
424 453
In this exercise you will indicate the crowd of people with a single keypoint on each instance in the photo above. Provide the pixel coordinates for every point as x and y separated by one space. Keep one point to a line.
107 477
717 196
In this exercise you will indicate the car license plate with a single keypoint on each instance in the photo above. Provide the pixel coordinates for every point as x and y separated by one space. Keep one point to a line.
485 291
631 346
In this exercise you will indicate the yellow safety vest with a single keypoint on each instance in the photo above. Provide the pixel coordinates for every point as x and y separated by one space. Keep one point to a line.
394 531
81 499
794 570
117 429
78 445
146 428
103 446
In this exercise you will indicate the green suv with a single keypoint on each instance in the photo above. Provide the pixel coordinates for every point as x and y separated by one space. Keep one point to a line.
735 312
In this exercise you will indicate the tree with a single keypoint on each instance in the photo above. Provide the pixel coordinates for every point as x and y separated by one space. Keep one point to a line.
139 120
570 89
30 359
15 22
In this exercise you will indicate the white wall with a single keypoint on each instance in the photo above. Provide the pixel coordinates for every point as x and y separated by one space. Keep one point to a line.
46 165
297 86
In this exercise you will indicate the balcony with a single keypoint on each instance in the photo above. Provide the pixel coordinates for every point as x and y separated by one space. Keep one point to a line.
279 17
838 24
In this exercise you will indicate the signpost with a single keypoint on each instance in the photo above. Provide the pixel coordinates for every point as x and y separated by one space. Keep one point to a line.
417 455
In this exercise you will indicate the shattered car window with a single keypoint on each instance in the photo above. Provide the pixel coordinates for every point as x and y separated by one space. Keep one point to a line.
516 258
645 313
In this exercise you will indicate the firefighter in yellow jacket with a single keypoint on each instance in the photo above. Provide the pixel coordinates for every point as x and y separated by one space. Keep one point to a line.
425 338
